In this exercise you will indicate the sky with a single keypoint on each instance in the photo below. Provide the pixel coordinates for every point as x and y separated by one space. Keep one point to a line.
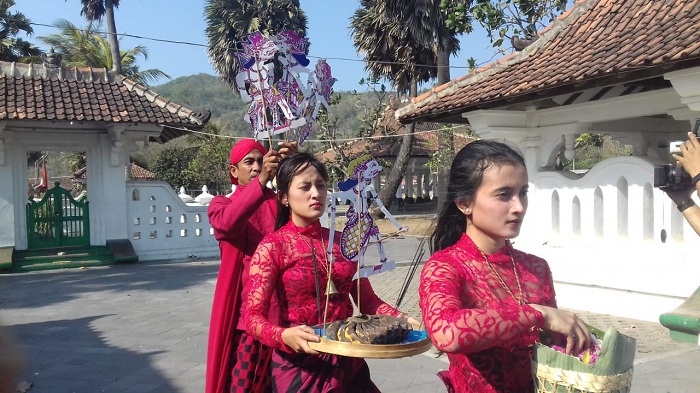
183 21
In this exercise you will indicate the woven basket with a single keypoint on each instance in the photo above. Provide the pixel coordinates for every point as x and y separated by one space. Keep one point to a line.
555 372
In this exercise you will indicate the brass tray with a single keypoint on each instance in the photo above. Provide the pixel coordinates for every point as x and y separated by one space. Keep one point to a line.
416 343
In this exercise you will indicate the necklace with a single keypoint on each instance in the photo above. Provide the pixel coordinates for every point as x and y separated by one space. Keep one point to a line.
520 300
310 243
324 265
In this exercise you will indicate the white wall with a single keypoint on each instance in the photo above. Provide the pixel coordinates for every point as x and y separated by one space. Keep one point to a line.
161 226
605 268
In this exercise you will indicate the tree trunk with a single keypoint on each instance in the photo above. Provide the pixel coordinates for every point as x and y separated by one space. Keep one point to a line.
112 37
388 192
446 145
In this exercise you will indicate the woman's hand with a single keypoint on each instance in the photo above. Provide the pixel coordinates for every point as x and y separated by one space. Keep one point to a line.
298 338
409 319
578 337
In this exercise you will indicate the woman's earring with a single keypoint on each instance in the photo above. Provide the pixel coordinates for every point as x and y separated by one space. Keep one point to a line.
467 212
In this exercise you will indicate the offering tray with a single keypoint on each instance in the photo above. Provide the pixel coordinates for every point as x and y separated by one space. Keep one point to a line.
416 343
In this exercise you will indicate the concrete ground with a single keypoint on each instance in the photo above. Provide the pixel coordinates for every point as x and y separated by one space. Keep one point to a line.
143 328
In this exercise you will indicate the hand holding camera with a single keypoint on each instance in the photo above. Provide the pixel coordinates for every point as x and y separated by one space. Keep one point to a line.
689 156
687 172
680 181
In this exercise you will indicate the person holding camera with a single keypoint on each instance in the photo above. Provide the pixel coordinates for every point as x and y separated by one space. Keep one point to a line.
689 160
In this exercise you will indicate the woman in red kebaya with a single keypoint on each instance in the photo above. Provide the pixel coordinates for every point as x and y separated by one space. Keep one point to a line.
292 264
484 302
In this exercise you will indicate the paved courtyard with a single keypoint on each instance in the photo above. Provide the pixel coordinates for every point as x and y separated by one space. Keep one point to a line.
143 328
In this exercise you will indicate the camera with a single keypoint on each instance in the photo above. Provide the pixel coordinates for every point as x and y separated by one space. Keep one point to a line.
671 176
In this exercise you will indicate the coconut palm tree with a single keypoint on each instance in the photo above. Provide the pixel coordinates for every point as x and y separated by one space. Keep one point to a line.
94 11
230 21
89 48
11 25
398 44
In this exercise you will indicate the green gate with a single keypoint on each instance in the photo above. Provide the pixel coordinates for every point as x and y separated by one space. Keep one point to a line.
57 220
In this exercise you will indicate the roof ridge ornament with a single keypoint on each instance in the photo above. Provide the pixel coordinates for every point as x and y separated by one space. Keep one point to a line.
52 59
530 37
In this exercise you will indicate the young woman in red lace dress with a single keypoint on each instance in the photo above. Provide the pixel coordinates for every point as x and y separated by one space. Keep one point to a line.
484 302
289 262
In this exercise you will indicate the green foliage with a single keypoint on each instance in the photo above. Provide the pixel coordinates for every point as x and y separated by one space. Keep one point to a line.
594 148
366 110
12 24
206 92
89 47
210 166
172 164
94 10
390 39
442 158
502 19
230 21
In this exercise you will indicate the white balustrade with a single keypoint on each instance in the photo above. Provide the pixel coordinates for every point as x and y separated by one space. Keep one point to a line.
162 226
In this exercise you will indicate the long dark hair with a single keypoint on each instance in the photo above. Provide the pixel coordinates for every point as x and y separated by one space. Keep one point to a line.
290 167
466 176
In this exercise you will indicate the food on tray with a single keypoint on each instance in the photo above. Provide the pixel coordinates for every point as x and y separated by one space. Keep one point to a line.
369 329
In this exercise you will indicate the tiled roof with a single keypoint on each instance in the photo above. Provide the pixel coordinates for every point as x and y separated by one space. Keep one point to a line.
140 173
38 92
596 43
424 145
137 173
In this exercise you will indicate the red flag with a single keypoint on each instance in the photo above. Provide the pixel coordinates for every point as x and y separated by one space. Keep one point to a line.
43 185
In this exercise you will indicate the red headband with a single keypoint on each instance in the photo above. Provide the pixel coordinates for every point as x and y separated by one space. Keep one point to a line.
241 149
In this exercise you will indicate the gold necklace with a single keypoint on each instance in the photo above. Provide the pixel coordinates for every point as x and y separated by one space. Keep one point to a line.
520 300
326 269
326 266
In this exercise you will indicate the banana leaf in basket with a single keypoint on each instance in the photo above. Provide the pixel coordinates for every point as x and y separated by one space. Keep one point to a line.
554 371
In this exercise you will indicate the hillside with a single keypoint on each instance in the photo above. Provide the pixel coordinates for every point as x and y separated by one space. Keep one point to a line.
207 92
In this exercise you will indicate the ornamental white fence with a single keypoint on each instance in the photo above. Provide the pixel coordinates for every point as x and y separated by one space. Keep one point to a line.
615 244
162 226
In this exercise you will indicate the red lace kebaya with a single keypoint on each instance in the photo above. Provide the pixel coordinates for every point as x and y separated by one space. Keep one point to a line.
477 319
283 264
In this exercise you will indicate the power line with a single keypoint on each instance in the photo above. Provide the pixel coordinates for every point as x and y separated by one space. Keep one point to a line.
234 49
373 137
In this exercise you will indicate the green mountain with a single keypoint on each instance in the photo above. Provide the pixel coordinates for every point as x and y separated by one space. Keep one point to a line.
207 92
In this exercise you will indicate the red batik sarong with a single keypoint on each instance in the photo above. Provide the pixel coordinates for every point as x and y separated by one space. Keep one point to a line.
292 373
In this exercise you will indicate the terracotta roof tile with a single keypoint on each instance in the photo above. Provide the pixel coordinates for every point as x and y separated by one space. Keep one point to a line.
36 92
593 41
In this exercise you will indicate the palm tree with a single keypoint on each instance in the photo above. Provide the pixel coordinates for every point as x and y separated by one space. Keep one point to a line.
230 21
394 45
444 39
95 10
88 48
11 25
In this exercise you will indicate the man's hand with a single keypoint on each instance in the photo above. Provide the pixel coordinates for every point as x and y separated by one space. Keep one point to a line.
271 162
287 148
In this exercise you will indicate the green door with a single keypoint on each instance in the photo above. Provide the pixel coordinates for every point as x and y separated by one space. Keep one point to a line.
57 220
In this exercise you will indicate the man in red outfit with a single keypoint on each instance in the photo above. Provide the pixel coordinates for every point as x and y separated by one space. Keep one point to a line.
236 362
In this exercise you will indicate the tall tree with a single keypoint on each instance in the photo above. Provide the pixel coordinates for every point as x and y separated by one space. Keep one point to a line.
210 166
230 21
12 24
432 30
95 10
89 48
397 53
502 19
